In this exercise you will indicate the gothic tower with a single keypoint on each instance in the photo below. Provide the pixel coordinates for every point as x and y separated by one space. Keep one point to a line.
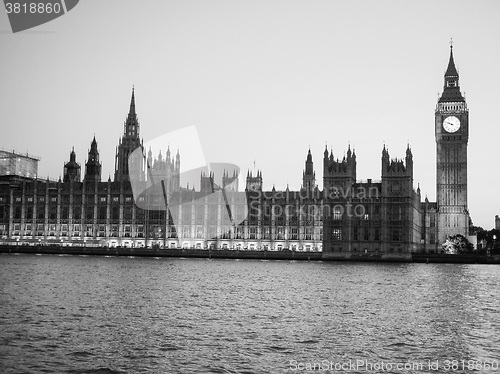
397 210
207 182
339 175
339 179
309 176
397 174
452 135
71 169
128 143
93 166
254 183
230 183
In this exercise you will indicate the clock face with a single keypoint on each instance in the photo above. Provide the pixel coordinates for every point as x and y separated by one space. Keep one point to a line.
451 124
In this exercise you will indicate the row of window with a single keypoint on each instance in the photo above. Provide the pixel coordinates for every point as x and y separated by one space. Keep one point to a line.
366 234
157 235
90 227
66 199
51 213
66 227
199 232
199 213
362 212
367 250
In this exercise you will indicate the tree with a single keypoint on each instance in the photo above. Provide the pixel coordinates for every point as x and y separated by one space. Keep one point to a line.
457 244
476 230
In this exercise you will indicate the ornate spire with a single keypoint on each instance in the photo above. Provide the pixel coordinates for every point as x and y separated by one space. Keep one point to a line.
71 172
451 91
408 150
451 71
385 153
128 143
308 176
93 145
93 166
132 104
72 155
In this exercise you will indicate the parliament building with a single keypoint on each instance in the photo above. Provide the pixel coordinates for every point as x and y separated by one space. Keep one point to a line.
345 217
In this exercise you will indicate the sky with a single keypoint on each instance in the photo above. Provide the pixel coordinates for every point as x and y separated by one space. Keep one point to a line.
261 81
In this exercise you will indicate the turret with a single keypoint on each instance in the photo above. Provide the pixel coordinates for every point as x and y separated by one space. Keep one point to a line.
93 166
254 183
178 161
207 182
385 158
309 176
128 143
397 174
396 166
150 158
409 158
339 174
72 168
230 183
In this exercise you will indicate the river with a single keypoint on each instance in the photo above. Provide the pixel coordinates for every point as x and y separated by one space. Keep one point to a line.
90 314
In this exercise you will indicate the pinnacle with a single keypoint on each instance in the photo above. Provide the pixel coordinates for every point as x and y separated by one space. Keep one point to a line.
451 71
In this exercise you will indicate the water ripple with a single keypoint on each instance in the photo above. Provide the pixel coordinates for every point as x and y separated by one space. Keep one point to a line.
77 314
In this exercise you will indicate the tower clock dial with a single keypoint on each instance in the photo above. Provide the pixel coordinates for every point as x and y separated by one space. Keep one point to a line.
451 124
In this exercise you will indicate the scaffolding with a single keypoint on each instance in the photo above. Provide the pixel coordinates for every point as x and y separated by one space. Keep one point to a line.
13 163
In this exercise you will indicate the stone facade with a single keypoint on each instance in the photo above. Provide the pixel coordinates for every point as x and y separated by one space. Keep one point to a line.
348 217
370 217
452 135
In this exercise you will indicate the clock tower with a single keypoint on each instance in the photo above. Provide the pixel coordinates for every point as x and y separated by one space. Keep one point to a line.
452 135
